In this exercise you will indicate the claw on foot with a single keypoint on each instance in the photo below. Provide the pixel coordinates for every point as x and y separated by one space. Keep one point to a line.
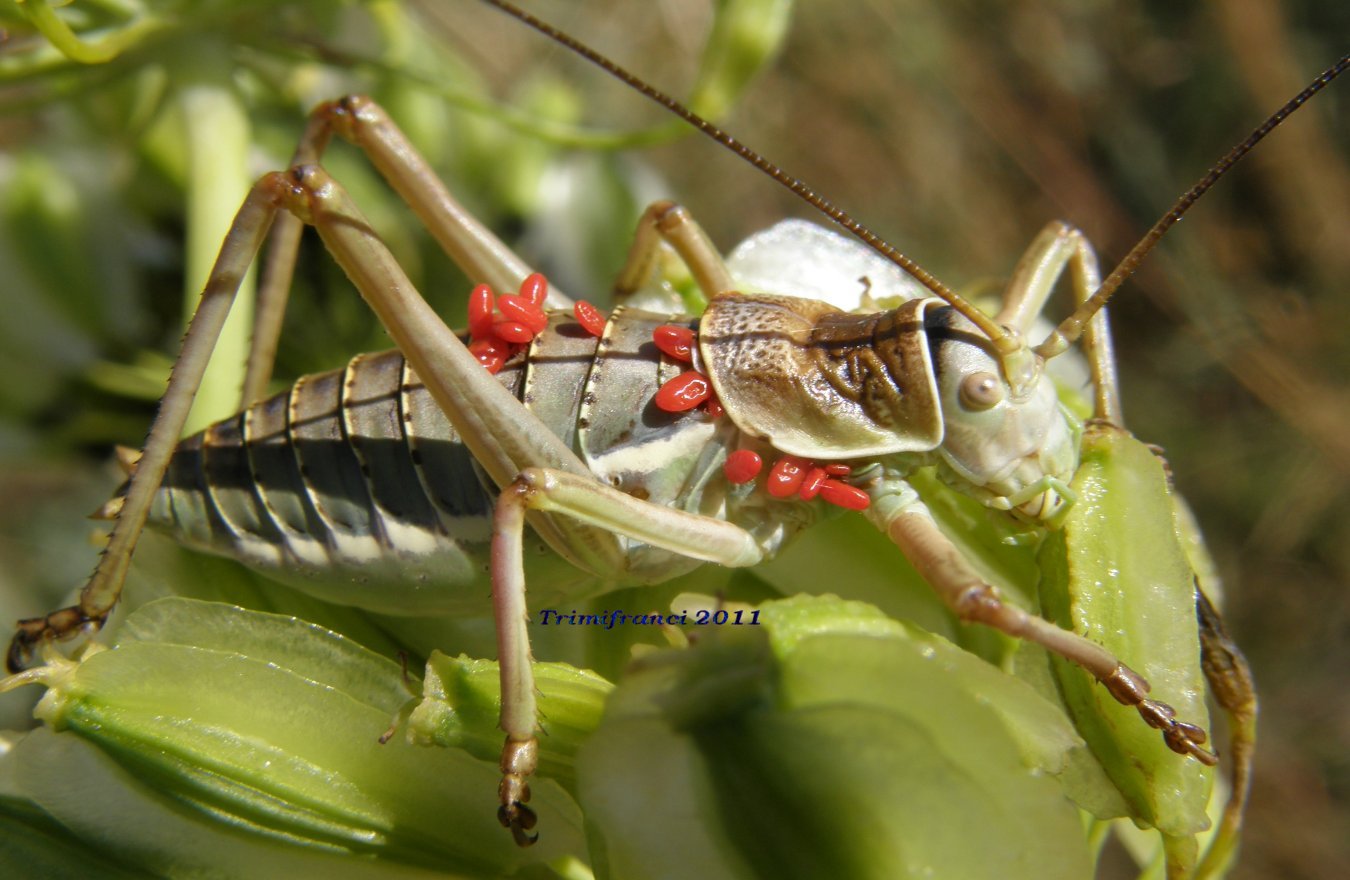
1128 687
1181 737
520 819
34 631
519 759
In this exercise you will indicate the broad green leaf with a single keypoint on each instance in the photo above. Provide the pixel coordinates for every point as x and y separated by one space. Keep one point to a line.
829 741
44 848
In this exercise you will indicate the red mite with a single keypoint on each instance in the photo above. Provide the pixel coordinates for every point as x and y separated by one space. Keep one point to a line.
494 338
677 342
589 317
844 495
684 392
510 331
480 312
742 466
792 475
535 289
690 388
814 479
523 311
786 476
491 353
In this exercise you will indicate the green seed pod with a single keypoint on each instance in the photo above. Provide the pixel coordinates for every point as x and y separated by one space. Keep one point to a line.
461 701
226 742
1118 573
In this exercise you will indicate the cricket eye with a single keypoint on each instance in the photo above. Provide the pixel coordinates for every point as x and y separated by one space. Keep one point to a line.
981 391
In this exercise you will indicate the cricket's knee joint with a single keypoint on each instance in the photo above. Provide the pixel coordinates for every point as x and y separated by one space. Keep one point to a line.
352 104
308 184
530 481
658 209
298 188
1065 230
350 114
979 603
669 216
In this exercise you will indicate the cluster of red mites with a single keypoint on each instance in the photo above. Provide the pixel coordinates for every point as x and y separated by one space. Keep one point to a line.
690 388
493 338
791 475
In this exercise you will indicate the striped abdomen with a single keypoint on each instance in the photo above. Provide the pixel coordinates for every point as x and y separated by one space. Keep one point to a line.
354 486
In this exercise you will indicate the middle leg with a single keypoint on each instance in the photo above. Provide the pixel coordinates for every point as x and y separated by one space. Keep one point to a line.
666 224
594 504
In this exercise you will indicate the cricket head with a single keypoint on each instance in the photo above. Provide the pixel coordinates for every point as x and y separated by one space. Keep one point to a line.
1007 443
828 385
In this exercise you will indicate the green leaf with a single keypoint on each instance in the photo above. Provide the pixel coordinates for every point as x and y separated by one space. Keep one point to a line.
46 849
828 741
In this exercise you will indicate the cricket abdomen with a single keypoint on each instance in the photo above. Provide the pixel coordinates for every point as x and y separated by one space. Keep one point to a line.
353 486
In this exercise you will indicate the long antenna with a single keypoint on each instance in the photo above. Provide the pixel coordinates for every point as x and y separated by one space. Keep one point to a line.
1004 343
1072 327
1010 347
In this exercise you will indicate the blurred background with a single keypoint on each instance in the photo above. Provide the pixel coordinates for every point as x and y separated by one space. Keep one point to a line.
955 130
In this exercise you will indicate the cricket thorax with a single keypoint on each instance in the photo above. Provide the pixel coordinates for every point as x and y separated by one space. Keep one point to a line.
818 382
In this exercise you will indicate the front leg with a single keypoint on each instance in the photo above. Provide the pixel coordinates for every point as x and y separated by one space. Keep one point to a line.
601 507
974 600
1059 248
